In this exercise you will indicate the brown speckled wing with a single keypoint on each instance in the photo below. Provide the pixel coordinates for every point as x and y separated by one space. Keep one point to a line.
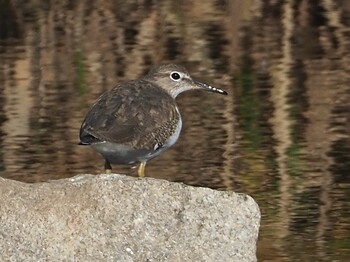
137 113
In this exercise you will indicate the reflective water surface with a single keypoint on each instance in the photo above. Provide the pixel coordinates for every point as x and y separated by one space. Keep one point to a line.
282 135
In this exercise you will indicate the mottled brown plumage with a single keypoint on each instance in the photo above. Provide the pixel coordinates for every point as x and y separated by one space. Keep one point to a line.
137 120
132 114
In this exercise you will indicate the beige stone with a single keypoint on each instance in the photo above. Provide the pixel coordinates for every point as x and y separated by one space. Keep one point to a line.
120 218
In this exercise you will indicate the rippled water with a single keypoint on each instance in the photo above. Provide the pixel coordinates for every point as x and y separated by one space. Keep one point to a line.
281 135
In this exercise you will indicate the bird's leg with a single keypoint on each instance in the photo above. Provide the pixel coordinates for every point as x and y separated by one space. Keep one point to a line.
108 167
141 170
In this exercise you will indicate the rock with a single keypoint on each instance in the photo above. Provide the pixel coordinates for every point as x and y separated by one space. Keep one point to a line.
120 218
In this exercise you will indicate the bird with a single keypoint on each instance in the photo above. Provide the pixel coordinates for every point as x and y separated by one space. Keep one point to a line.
137 120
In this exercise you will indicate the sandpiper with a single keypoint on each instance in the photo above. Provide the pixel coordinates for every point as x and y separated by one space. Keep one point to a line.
137 120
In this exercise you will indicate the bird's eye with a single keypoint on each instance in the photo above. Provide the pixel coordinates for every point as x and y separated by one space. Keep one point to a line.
175 76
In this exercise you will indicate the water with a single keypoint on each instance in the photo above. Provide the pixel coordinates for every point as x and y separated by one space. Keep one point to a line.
281 135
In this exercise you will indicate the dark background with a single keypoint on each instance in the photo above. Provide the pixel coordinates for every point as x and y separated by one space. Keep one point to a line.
281 136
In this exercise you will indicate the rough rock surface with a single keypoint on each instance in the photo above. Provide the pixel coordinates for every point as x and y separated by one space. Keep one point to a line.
120 218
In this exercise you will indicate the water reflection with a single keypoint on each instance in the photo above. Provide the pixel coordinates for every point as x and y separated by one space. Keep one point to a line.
282 135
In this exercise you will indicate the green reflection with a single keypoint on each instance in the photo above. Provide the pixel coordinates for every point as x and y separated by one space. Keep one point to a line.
249 107
80 71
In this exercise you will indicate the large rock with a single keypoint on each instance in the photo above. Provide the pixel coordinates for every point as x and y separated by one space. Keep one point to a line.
119 218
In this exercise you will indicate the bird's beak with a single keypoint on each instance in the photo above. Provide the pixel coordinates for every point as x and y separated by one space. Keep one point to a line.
210 88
